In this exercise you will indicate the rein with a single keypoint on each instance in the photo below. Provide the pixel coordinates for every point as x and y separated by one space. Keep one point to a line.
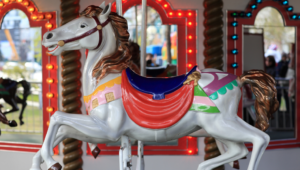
97 28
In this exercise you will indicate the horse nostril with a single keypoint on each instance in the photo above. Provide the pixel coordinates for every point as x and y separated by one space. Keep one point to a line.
50 35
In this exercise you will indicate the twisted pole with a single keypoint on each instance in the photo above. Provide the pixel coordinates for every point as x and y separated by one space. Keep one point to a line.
213 53
213 33
71 87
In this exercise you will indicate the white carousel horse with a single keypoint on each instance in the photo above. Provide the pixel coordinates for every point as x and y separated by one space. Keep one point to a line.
111 112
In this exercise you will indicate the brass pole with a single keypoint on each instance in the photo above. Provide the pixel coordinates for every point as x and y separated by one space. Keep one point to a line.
71 84
213 53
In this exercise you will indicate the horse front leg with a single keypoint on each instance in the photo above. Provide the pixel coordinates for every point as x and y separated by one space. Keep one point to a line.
63 133
45 150
93 128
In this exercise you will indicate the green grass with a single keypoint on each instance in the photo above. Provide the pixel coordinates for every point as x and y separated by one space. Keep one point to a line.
33 97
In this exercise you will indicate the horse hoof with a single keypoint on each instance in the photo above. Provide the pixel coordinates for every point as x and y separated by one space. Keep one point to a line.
12 123
96 152
56 166
236 165
21 122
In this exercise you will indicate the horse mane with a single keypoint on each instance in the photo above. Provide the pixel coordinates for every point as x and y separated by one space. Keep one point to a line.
120 60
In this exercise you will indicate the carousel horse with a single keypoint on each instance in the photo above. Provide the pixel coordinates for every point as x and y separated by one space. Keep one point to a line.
121 103
8 93
3 119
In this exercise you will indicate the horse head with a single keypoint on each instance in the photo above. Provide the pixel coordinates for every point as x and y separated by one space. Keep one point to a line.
87 31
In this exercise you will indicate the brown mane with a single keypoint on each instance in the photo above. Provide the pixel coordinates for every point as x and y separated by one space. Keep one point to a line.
120 60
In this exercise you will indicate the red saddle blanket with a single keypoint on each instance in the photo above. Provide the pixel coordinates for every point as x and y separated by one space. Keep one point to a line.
156 114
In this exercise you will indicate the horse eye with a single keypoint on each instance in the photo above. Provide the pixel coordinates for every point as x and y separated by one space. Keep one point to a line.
82 26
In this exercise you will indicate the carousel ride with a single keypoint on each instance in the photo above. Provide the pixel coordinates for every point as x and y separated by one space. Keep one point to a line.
122 104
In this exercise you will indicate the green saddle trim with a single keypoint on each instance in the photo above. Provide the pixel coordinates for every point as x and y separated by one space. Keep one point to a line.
223 90
3 91
204 108
198 91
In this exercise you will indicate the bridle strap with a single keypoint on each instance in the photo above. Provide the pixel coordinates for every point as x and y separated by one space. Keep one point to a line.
97 28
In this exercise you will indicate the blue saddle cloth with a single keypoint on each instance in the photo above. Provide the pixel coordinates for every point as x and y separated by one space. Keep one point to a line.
158 87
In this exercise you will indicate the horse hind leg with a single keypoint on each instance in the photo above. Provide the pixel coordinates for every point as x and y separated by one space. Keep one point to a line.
24 104
37 159
260 142
27 92
220 145
236 130
235 150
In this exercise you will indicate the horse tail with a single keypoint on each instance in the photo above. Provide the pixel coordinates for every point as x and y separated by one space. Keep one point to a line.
26 86
264 89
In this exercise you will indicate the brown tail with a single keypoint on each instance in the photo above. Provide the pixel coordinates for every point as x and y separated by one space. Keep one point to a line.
263 87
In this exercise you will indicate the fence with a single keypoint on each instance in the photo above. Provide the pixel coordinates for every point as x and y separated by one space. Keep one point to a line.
32 116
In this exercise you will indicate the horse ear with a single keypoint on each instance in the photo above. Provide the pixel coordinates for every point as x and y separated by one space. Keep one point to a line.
106 10
102 5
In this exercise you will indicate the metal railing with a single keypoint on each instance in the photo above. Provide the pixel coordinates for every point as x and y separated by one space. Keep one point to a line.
284 117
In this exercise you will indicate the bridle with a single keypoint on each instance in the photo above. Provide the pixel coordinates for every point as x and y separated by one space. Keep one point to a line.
97 28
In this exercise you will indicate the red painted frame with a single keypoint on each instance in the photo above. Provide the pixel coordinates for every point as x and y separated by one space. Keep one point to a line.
52 73
276 144
186 60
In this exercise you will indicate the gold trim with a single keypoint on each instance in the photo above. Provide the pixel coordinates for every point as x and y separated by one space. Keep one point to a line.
61 43
194 76
109 97
102 87
99 27
95 103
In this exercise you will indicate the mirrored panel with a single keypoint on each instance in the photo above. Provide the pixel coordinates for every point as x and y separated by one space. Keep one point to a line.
161 44
269 45
21 78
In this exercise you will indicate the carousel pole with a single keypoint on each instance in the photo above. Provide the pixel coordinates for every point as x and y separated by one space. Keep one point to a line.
144 38
213 53
119 7
140 160
125 159
71 84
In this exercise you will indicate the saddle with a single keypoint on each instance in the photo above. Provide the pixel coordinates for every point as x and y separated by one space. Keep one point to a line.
158 87
156 103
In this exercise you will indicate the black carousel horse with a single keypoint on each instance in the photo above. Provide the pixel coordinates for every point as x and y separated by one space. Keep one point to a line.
3 119
10 97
